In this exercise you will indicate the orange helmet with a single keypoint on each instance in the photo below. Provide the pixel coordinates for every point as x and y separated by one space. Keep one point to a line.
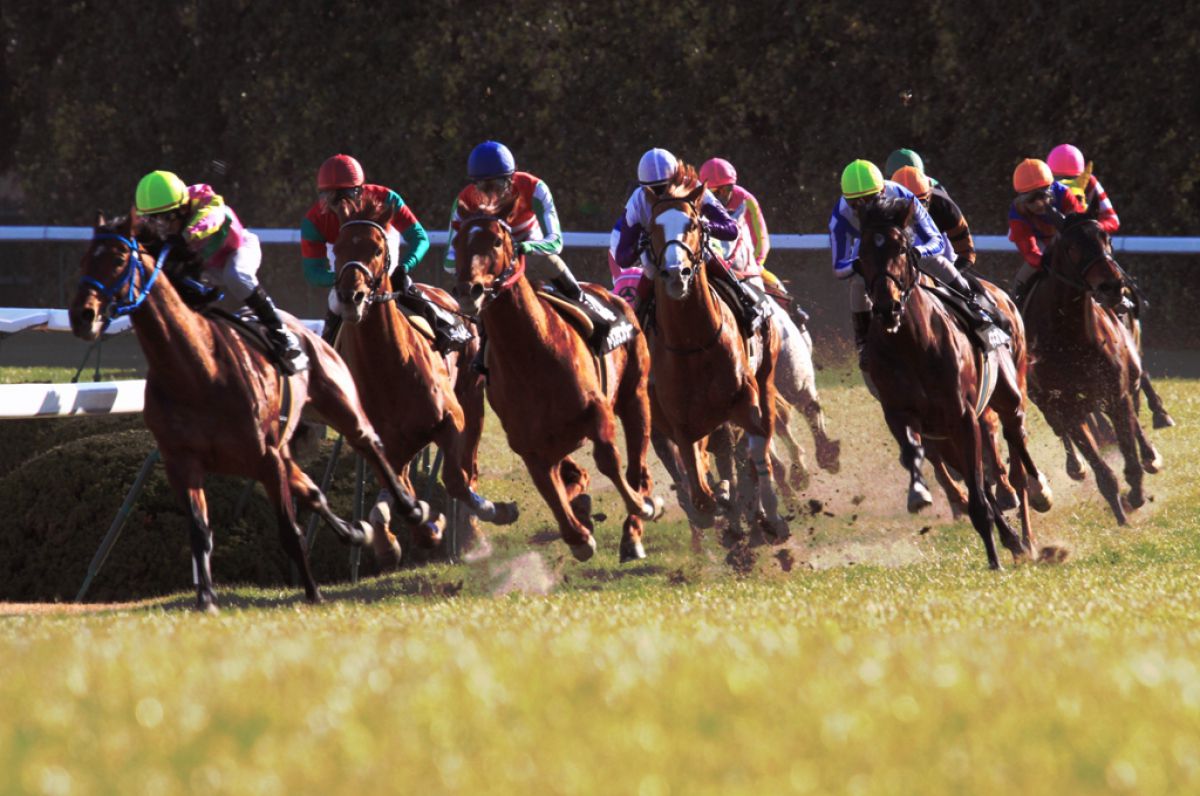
914 180
1031 175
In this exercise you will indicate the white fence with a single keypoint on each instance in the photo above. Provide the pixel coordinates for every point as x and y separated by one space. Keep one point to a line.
1133 244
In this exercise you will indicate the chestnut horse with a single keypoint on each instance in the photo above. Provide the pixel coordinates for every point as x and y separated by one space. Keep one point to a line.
931 383
705 374
412 394
550 392
1085 359
214 401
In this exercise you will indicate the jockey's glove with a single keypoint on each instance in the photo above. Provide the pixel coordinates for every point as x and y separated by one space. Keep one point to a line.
963 262
520 247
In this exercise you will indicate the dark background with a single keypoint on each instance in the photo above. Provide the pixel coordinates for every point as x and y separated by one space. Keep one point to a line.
251 97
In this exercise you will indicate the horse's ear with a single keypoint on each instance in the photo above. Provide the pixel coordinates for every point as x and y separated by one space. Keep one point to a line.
651 196
100 219
696 195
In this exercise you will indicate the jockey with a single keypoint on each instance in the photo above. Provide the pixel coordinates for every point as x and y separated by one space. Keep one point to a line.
655 170
342 192
944 212
625 280
906 157
720 177
533 220
229 253
1067 165
1035 217
862 186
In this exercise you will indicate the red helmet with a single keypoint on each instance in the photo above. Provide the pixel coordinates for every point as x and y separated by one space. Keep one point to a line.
340 171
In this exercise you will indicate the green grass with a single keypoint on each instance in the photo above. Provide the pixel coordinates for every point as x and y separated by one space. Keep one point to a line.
879 660
56 375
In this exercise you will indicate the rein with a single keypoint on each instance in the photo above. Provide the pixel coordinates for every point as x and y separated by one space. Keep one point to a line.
697 261
134 264
373 281
906 291
512 272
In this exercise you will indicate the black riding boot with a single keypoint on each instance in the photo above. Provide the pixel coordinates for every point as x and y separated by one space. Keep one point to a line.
565 283
478 361
333 324
287 348
862 325
751 313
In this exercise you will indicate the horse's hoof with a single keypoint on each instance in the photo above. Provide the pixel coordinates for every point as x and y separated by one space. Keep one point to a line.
581 507
723 493
431 532
798 477
506 514
1075 470
918 498
632 551
386 549
776 530
829 457
1041 498
1136 500
1006 499
316 598
585 551
653 508
1163 420
1153 466
364 533
207 604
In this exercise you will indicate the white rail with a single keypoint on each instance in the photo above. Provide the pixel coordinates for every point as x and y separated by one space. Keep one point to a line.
1133 244
68 400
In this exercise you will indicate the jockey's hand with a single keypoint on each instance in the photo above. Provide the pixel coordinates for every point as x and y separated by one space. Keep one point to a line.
963 263
404 282
519 248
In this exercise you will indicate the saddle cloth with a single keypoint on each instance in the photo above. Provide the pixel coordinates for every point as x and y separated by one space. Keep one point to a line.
583 317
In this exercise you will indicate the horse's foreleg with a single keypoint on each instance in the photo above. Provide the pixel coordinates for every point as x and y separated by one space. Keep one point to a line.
1106 481
1162 418
548 480
187 482
829 451
989 429
912 454
956 496
457 476
797 473
274 476
1125 424
634 411
310 496
721 444
1074 464
969 443
608 461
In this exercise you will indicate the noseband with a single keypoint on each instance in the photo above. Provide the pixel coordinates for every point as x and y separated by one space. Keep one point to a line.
1081 283
694 257
511 272
134 298
373 280
910 269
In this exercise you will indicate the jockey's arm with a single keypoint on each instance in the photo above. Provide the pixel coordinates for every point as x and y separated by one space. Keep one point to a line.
547 216
314 253
1021 234
1106 214
929 240
758 229
448 258
843 240
950 220
720 224
410 229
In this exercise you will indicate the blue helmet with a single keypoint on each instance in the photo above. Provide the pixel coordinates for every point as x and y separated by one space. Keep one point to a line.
490 159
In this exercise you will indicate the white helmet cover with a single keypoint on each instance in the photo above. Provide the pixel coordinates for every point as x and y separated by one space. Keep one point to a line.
656 167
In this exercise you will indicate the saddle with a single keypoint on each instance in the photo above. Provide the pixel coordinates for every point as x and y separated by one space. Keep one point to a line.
762 305
589 316
245 323
985 336
444 330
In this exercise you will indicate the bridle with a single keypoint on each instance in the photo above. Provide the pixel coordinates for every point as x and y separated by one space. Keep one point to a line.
910 269
511 273
374 281
115 305
1080 283
695 257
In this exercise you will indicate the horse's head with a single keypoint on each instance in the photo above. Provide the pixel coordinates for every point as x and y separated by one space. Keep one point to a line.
885 258
114 278
362 260
1082 256
485 259
676 234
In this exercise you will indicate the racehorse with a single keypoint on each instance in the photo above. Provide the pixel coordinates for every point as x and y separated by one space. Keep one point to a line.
705 374
1085 359
551 392
217 403
413 394
933 384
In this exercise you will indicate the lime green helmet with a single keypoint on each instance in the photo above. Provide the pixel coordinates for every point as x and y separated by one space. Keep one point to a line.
861 178
901 158
158 192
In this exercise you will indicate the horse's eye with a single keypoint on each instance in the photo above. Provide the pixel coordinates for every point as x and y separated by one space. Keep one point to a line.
497 243
378 251
879 239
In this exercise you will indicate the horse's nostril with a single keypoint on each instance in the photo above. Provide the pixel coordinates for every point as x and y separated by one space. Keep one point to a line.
359 296
476 290
686 273
87 315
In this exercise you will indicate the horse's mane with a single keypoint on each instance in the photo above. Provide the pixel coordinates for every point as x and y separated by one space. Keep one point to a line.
115 224
1075 221
887 212
683 181
373 208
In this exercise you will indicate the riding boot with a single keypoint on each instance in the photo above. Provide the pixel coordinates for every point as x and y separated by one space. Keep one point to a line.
478 362
751 314
800 315
287 347
862 326
565 284
333 324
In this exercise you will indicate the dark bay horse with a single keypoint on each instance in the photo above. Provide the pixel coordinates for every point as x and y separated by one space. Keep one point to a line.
704 373
929 377
550 392
214 401
412 394
1085 360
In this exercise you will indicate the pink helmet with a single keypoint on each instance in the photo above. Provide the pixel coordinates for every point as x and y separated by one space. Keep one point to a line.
717 172
1065 161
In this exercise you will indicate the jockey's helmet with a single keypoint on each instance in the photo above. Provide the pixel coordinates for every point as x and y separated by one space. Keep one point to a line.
718 172
861 178
158 192
901 158
656 167
1031 175
489 160
339 171
1065 161
914 180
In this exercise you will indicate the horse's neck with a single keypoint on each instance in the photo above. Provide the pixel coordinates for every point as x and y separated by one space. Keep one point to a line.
1066 309
915 338
177 342
692 321
516 319
384 322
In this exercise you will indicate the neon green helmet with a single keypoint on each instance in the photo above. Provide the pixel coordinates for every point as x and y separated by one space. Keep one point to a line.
158 192
901 158
861 178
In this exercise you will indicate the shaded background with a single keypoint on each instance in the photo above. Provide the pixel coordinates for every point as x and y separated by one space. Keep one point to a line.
251 97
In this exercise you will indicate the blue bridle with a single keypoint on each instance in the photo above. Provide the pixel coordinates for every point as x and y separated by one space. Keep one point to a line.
133 298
